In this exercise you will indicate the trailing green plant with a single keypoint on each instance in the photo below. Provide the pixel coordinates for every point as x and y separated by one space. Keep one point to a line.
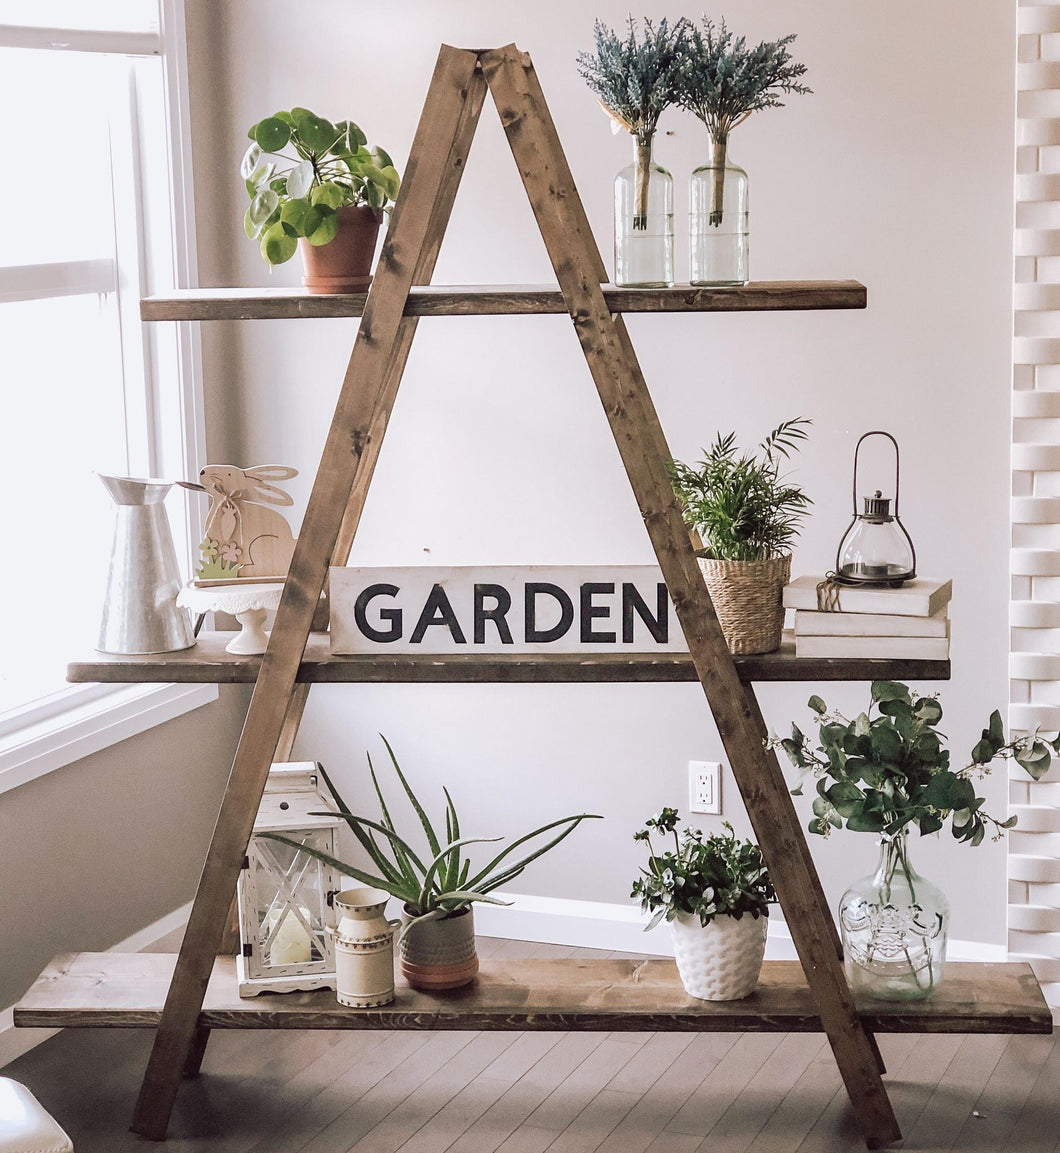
708 877
300 195
440 880
741 506
636 80
887 769
723 81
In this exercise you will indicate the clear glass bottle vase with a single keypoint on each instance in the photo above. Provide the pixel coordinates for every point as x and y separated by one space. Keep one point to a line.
717 221
644 222
894 925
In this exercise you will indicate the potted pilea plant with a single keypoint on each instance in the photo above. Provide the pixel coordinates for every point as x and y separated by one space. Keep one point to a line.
437 885
748 516
884 772
722 82
715 892
317 186
635 78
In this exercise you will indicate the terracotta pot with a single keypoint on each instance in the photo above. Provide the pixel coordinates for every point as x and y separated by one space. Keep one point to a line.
344 265
720 961
440 954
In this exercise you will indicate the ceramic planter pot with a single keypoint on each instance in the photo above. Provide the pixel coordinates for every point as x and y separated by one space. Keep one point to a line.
747 598
440 954
344 265
720 961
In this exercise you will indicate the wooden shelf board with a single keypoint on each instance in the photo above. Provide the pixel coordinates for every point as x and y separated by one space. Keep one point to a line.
501 300
127 990
207 661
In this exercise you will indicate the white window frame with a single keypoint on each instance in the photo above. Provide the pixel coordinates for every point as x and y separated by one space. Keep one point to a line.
83 719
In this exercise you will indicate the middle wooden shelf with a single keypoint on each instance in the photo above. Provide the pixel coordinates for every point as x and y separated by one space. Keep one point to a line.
208 662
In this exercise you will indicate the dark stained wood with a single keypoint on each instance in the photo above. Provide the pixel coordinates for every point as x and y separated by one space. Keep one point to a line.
208 662
642 445
127 990
359 421
501 300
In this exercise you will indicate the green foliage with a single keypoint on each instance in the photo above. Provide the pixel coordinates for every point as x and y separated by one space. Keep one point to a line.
723 81
882 773
439 880
740 505
718 876
636 79
299 195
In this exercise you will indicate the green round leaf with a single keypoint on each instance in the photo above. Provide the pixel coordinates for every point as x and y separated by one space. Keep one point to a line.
330 194
355 138
250 161
381 156
300 179
300 217
251 130
391 181
272 134
277 246
316 133
325 231
263 206
252 229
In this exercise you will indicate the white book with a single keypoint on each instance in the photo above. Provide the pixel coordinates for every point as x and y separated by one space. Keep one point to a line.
920 597
808 623
884 648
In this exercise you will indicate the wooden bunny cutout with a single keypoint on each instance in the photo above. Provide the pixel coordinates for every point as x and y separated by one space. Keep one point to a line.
244 537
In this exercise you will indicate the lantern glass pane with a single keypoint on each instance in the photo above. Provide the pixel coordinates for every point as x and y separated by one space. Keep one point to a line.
875 551
289 910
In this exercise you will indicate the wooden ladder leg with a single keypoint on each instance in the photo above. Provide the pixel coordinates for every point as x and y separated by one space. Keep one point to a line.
436 162
642 445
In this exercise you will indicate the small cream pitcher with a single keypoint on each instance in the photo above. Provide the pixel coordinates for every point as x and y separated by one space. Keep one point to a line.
364 948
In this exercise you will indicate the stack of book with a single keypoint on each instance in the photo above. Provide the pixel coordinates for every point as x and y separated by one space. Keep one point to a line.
909 622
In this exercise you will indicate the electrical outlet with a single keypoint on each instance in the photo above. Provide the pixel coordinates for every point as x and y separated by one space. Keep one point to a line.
704 787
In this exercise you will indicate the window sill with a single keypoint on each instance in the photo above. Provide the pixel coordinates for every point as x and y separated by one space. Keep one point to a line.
85 728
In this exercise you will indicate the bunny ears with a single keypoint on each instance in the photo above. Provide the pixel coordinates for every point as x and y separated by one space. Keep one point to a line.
249 484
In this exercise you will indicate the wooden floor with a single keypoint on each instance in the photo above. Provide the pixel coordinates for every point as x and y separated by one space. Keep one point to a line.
329 1092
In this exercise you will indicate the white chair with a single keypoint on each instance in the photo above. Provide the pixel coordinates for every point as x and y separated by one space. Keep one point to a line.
25 1125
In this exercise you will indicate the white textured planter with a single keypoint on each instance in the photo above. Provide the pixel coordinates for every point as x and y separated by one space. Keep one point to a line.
721 961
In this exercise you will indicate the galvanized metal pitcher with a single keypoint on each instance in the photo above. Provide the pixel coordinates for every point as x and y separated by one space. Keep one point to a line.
140 614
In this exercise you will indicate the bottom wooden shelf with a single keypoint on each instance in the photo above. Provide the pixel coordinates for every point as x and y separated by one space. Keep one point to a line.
127 990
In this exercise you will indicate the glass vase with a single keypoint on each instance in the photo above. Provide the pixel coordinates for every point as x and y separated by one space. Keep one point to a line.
644 222
894 926
717 221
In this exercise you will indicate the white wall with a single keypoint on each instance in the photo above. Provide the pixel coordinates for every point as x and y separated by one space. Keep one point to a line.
897 171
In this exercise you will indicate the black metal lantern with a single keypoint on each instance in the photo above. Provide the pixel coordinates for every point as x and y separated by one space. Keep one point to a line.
875 551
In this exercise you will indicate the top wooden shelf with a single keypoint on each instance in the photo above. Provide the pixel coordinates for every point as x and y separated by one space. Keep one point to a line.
502 300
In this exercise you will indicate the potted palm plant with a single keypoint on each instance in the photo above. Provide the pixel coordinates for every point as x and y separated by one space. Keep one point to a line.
317 186
883 772
748 516
715 892
436 886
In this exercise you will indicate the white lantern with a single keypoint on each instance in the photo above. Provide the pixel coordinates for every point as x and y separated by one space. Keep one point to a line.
284 893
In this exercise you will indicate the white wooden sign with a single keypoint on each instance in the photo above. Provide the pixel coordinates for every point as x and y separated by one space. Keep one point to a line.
502 610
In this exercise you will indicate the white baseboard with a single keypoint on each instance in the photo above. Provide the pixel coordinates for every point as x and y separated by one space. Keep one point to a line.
14 1042
599 925
552 920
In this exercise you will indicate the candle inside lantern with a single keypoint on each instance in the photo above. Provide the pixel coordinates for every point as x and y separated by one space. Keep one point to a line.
291 945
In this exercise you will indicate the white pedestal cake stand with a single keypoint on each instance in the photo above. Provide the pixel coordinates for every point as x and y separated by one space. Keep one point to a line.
248 603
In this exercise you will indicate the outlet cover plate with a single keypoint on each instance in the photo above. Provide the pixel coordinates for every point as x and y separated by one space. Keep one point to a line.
704 787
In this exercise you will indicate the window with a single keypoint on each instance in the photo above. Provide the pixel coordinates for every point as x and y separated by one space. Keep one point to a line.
95 211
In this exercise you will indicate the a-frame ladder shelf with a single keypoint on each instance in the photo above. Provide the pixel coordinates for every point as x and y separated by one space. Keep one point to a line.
502 300
127 990
391 312
208 662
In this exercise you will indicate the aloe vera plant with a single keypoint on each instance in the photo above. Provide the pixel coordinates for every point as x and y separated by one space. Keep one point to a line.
440 881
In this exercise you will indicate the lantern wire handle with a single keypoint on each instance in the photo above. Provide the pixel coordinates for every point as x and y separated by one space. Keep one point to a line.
897 466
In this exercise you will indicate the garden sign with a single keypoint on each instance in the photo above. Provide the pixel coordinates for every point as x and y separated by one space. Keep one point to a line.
502 610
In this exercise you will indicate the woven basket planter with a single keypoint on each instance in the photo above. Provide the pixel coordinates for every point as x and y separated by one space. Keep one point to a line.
747 599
